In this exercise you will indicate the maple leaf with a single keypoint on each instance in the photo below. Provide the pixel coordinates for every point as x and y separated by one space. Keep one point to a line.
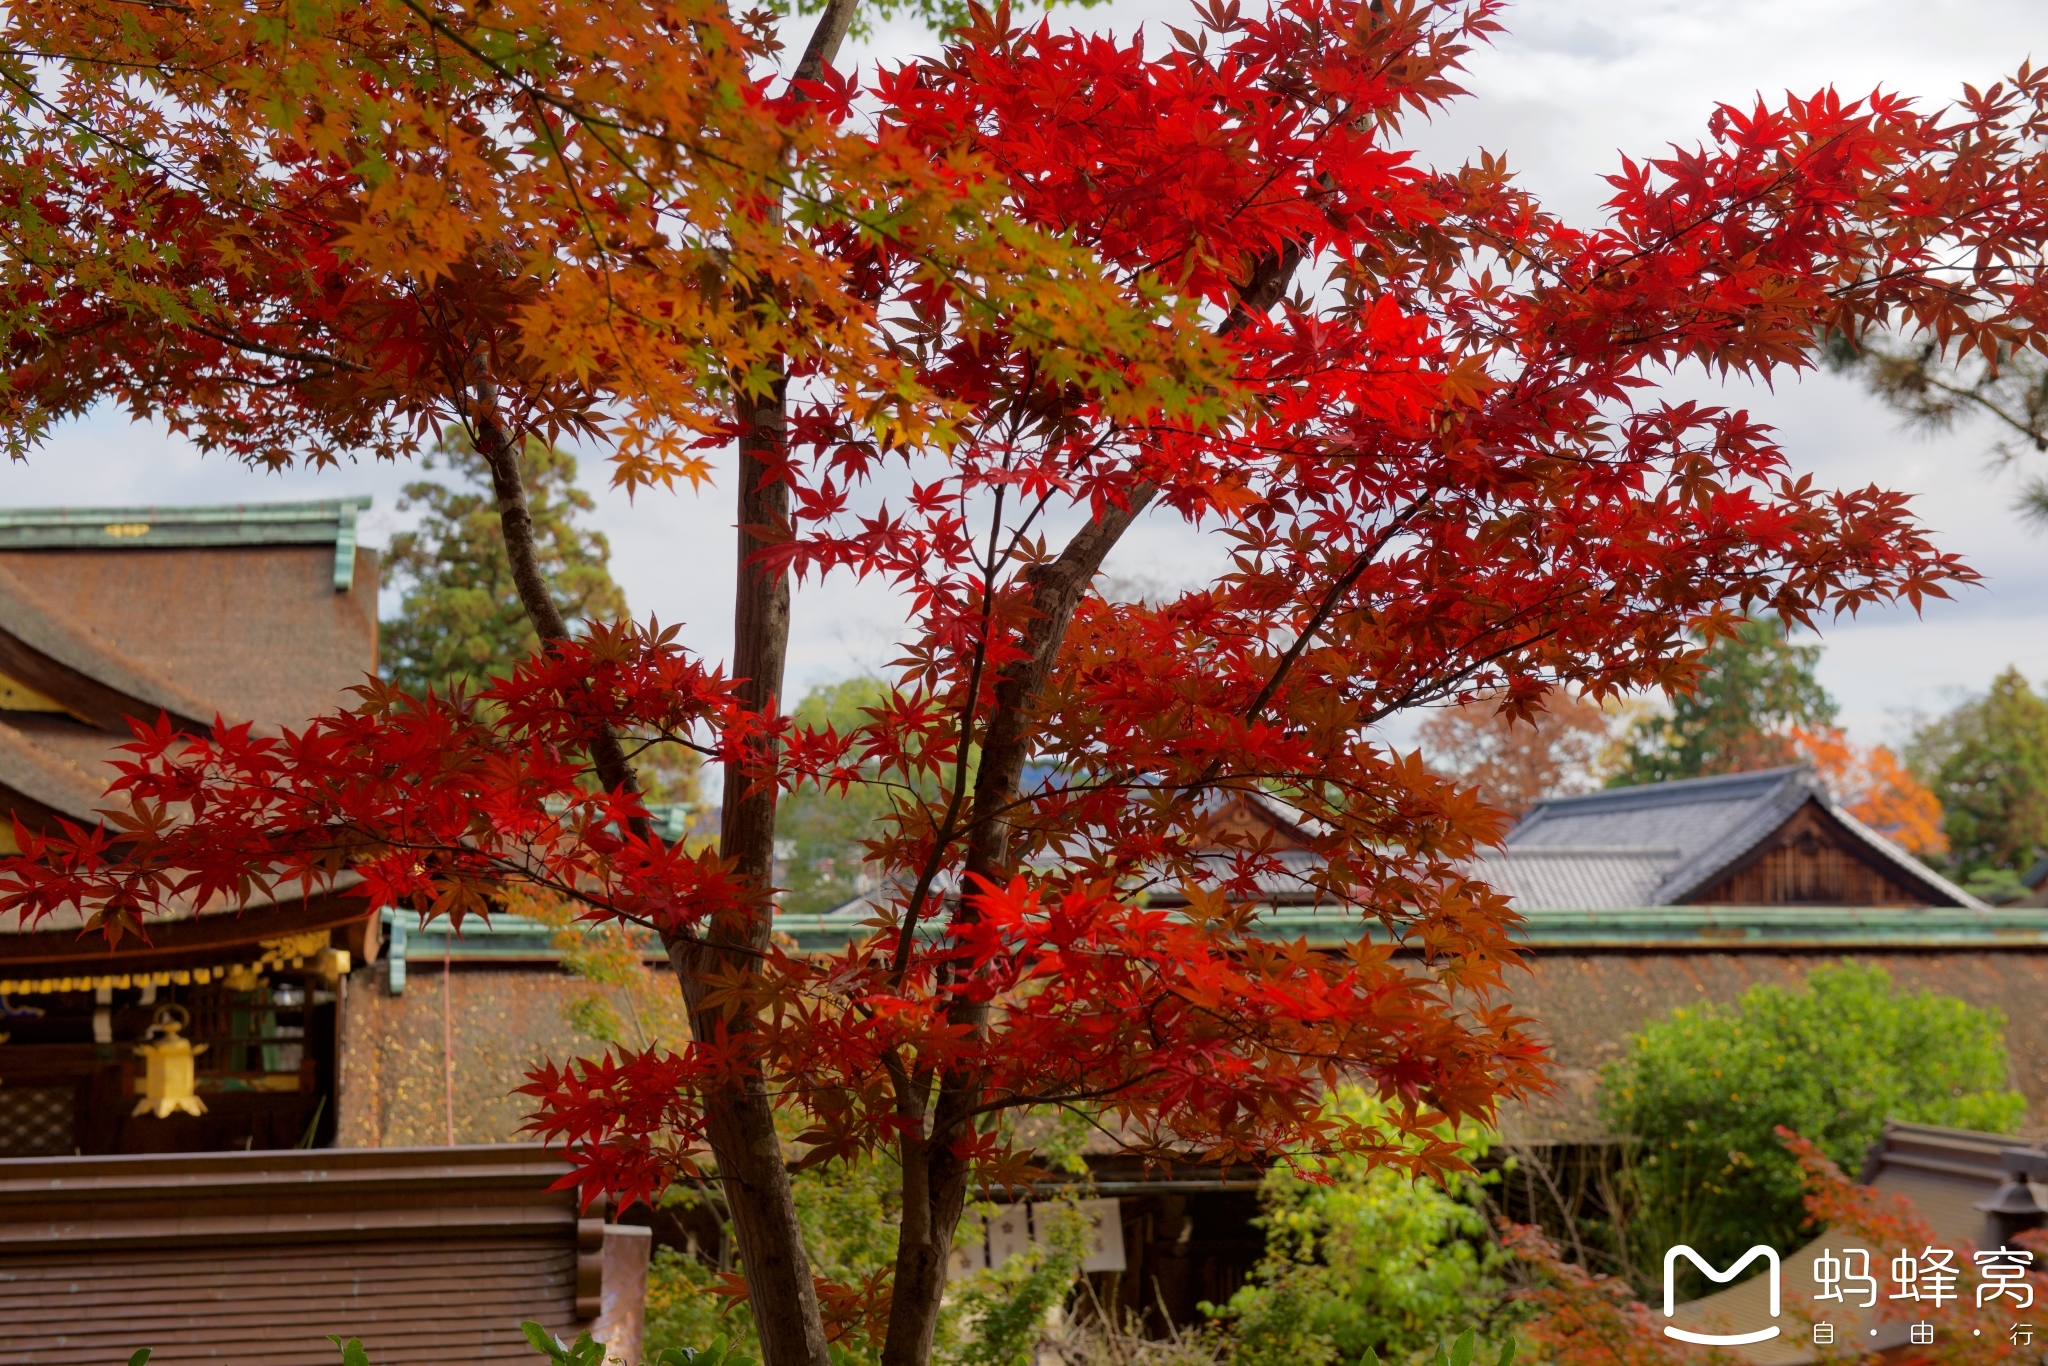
1053 287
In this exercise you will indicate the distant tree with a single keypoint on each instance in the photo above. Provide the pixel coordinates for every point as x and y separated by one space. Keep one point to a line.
460 620
1876 789
1753 688
1987 761
1705 1089
1937 393
1516 763
820 831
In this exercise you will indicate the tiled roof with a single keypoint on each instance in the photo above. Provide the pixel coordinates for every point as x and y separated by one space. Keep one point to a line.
1688 816
1661 843
262 613
256 633
1569 876
49 778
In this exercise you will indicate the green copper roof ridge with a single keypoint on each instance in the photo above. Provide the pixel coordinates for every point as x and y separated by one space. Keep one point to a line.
1649 928
208 525
318 509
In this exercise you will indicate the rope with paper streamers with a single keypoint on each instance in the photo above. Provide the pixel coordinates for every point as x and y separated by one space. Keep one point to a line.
295 951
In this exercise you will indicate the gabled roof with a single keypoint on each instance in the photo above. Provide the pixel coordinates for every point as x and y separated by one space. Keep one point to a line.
1663 843
261 612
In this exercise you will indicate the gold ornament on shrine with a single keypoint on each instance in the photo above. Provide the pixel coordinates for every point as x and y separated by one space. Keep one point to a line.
168 1086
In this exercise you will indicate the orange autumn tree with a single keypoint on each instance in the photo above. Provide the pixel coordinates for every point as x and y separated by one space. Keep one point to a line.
962 329
1876 789
1514 761
301 232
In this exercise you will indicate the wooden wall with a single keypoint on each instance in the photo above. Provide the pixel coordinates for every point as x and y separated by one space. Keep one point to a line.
1812 861
429 1256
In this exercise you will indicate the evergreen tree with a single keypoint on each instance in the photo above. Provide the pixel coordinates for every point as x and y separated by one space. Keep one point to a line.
1936 391
1753 689
460 620
1988 763
819 830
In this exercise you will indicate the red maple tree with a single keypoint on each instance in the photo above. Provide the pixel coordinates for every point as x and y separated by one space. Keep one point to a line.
967 326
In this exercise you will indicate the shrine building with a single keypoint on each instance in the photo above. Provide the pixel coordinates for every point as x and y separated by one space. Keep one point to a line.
263 614
157 1098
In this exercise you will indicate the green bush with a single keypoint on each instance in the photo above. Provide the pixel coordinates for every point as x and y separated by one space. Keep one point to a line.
683 1310
849 1219
848 1214
1371 1262
997 1316
1706 1090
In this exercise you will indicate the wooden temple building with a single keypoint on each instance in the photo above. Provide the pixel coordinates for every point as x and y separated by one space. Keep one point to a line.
261 614
219 1222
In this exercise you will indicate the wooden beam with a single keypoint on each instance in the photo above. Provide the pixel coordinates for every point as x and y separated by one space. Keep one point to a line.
204 941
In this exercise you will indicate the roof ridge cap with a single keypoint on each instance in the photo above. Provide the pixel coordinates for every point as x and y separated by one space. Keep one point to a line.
1666 850
67 515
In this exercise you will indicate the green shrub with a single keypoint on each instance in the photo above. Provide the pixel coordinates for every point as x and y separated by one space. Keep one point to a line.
683 1309
849 1219
997 1316
1706 1090
1370 1262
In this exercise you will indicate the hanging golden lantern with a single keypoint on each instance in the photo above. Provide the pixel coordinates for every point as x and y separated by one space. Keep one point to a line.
168 1087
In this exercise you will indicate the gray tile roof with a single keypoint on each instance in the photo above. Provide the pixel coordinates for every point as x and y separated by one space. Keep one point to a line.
1576 878
1661 843
1688 816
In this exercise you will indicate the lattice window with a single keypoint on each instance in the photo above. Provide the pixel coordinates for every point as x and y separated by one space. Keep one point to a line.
36 1121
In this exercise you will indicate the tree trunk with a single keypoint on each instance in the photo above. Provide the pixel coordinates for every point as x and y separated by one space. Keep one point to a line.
741 1119
500 450
934 1175
741 1122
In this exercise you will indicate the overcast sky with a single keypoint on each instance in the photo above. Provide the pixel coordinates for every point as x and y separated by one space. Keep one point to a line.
1573 85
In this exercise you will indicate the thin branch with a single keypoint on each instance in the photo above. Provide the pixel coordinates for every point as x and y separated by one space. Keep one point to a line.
275 352
947 831
1337 590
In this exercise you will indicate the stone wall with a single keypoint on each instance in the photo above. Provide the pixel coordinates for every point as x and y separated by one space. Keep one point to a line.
503 1020
1586 1004
395 1083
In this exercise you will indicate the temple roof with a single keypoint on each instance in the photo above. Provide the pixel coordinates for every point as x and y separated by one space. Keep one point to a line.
1667 844
262 613
331 523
